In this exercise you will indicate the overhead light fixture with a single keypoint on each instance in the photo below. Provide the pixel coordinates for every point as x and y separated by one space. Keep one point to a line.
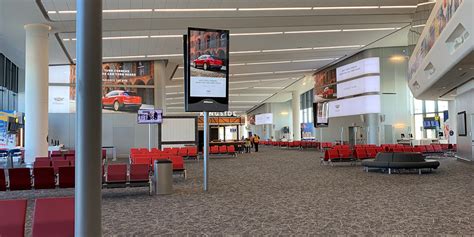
397 7
175 103
236 64
345 8
284 113
274 8
251 95
418 26
195 9
311 31
66 12
125 37
258 33
248 101
370 29
175 93
276 79
166 36
174 107
178 78
126 10
238 82
425 3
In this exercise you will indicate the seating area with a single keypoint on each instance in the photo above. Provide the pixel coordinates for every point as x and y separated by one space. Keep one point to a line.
51 217
176 155
223 150
400 161
123 175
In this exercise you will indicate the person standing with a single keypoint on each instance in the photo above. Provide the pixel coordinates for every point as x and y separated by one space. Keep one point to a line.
256 140
247 145
251 140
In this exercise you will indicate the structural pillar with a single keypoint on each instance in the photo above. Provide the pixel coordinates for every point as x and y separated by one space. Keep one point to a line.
160 85
373 123
36 91
295 107
89 118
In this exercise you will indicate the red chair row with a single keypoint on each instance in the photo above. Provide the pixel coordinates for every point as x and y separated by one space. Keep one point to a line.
191 151
367 153
310 144
122 175
222 150
52 217
437 148
40 178
178 161
338 155
41 163
341 147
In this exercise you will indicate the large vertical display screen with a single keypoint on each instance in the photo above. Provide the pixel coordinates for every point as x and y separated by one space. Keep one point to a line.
207 70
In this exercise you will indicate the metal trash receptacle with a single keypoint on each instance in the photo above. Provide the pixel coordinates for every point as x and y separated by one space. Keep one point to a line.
163 177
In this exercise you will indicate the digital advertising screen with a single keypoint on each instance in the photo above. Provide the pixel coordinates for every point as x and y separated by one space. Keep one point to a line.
150 116
321 114
207 66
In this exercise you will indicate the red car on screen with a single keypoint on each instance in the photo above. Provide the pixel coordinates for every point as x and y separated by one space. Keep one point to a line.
121 100
207 62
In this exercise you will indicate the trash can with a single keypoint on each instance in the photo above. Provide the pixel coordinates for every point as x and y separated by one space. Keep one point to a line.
163 177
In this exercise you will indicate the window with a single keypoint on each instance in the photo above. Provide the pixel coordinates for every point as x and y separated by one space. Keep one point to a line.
418 106
418 126
430 106
442 105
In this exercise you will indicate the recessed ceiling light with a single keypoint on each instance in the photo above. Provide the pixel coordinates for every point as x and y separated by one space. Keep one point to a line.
257 33
268 87
426 3
252 73
195 9
274 8
125 37
174 86
124 57
246 52
312 60
311 31
397 7
238 88
345 8
338 47
166 36
164 55
417 26
126 10
370 29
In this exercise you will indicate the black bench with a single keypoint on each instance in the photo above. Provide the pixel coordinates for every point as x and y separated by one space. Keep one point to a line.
400 160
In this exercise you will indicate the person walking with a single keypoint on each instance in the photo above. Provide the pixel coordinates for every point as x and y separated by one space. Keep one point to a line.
247 145
251 140
256 140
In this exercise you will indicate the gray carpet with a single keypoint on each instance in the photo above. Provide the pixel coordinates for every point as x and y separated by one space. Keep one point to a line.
281 192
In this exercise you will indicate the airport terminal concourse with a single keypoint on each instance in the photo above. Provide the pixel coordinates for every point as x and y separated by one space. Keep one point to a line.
236 118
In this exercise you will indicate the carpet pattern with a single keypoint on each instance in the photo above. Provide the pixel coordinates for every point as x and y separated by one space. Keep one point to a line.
287 192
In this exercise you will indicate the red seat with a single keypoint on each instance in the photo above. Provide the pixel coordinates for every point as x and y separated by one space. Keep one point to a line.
231 149
331 154
12 216
19 178
70 157
3 181
57 158
437 148
371 152
42 163
143 150
397 149
407 149
178 163
42 158
116 173
345 153
378 149
429 149
214 150
183 151
422 148
134 151
139 173
192 151
104 153
56 153
66 177
44 178
60 163
53 217
360 154
223 149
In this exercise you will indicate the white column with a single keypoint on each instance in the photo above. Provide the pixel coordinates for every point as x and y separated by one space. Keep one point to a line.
295 107
160 85
36 91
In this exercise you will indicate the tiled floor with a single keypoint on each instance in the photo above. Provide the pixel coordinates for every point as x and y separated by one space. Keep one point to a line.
283 192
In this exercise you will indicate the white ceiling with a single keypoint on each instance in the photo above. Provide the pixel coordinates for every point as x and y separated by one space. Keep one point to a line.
247 88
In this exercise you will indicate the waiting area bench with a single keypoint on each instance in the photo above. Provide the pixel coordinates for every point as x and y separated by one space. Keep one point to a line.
400 161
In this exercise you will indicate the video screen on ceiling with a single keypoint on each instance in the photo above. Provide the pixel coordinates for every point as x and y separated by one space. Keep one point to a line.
208 60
